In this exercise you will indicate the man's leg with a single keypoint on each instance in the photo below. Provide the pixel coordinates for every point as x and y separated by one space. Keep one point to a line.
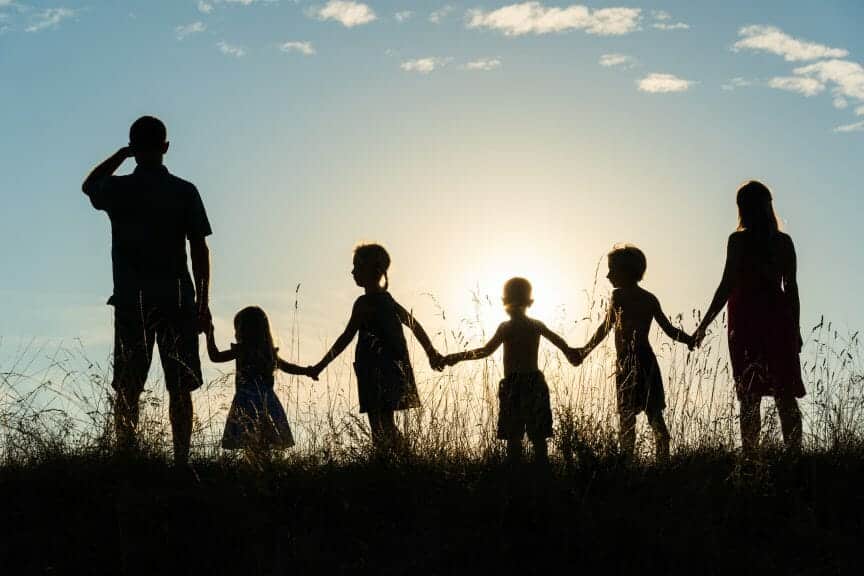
178 348
133 351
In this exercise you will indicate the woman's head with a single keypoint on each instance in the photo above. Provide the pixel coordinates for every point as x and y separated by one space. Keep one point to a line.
517 294
627 265
371 262
755 208
252 332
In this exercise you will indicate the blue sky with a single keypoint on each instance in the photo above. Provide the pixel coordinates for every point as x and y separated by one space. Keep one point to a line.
476 140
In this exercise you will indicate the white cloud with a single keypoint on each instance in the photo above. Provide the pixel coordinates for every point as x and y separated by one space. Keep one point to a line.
737 82
304 48
847 77
662 21
205 7
437 15
617 61
859 111
663 84
484 64
805 86
840 103
534 18
49 18
856 127
775 41
403 16
423 65
346 12
183 31
231 49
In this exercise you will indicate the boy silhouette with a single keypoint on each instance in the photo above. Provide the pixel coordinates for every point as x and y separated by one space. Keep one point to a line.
523 395
153 213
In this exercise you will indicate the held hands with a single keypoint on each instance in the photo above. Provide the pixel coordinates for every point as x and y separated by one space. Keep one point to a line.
437 361
312 372
576 355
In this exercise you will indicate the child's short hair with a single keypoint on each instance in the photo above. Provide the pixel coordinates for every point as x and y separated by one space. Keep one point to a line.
376 255
148 133
630 260
517 293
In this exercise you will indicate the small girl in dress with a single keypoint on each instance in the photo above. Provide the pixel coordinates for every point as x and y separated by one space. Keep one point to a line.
638 382
385 379
256 421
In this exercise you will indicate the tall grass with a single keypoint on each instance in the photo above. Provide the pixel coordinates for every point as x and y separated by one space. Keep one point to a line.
56 401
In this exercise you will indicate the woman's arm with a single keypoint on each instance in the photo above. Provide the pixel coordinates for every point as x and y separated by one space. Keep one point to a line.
478 353
435 359
790 287
721 295
357 313
213 351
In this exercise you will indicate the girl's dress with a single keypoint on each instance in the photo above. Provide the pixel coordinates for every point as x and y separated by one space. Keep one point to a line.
763 337
385 379
256 418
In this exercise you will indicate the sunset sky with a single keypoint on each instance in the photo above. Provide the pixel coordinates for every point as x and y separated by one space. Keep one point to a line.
477 141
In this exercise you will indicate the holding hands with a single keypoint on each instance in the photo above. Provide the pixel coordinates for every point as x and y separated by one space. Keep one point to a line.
576 355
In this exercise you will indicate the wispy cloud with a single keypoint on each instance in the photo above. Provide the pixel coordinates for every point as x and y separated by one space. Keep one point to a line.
737 82
859 111
775 41
304 48
346 12
183 31
231 49
856 127
663 84
484 64
437 15
403 16
801 85
617 61
663 21
49 18
423 65
846 77
205 7
535 18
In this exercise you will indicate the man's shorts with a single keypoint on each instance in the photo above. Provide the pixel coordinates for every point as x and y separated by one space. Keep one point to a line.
524 406
174 330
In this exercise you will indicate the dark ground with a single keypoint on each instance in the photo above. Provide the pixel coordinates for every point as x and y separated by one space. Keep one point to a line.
703 514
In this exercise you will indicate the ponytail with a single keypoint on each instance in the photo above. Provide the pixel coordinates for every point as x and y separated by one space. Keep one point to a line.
386 281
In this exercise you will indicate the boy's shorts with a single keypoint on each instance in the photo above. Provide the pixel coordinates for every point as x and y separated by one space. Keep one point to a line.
523 401
137 329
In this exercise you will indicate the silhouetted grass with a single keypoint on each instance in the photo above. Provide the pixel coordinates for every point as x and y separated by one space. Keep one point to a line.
69 505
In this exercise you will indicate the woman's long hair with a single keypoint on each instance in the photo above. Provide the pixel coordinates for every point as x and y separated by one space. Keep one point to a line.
256 342
755 208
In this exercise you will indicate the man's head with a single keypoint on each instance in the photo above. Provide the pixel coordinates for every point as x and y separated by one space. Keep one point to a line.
148 139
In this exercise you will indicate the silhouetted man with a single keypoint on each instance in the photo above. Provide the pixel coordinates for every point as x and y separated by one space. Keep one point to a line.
153 214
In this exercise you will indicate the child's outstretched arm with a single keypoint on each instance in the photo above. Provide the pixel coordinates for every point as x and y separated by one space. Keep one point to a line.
477 353
290 368
435 359
213 351
357 313
674 333
602 331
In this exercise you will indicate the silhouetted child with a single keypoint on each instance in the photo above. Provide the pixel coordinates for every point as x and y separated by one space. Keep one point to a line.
256 421
638 382
523 396
385 378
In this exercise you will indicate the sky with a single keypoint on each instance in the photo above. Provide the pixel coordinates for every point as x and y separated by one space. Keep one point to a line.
475 140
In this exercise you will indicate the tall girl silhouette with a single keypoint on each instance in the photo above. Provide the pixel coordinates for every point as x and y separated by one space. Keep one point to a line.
760 287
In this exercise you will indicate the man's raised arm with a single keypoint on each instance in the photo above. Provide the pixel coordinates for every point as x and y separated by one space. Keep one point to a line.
92 184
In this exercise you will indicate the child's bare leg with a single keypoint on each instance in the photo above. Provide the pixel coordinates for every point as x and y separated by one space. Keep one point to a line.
661 436
790 421
751 424
385 435
514 449
541 451
627 431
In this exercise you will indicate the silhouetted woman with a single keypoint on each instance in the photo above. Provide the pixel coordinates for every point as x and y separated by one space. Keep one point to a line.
764 330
